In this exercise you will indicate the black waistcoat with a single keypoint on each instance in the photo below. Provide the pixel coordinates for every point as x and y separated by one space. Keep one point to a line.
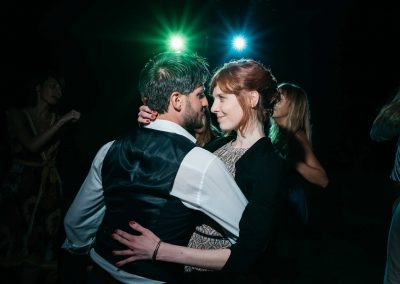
138 173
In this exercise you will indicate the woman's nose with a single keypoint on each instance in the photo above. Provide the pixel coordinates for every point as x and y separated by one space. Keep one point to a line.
214 107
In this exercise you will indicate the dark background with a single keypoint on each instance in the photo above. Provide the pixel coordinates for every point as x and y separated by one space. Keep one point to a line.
343 53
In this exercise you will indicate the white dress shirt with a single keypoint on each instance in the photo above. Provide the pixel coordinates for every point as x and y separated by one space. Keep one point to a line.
202 183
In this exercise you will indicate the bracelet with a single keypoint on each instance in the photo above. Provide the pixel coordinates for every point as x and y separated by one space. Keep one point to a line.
154 257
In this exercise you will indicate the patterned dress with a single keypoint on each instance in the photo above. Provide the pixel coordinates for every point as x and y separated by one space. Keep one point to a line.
210 235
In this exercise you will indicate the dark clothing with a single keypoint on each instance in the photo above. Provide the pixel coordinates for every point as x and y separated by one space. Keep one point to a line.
137 176
259 174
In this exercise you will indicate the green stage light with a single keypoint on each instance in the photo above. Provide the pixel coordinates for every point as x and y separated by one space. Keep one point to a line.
177 43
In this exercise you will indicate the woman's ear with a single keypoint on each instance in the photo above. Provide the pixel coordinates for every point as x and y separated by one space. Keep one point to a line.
176 101
254 98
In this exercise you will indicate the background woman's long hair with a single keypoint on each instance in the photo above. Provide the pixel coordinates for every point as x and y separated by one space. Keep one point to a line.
298 117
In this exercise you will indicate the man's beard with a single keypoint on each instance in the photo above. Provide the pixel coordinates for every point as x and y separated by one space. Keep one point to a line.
192 120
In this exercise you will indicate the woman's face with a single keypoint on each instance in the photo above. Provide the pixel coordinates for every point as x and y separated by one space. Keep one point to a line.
281 108
50 91
227 109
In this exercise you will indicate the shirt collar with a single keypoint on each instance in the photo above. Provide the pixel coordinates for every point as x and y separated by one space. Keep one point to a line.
169 126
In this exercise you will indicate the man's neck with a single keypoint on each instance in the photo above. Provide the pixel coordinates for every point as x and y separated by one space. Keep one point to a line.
176 119
170 117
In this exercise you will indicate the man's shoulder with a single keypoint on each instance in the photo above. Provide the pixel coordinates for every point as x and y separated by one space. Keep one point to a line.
200 153
201 159
104 150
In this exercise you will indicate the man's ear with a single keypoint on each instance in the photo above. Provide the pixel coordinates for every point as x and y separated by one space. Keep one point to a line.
176 101
254 98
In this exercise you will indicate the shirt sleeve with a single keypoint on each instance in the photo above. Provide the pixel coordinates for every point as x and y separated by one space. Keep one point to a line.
86 212
203 183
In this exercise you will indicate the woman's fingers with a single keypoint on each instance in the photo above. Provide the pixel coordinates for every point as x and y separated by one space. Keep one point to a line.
140 246
137 227
146 109
125 252
142 120
125 261
146 115
123 235
144 231
146 112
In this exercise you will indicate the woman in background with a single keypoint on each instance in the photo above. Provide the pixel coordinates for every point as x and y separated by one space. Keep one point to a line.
290 132
30 199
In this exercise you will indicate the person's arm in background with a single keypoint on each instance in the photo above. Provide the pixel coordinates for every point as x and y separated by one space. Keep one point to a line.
309 166
34 143
387 124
